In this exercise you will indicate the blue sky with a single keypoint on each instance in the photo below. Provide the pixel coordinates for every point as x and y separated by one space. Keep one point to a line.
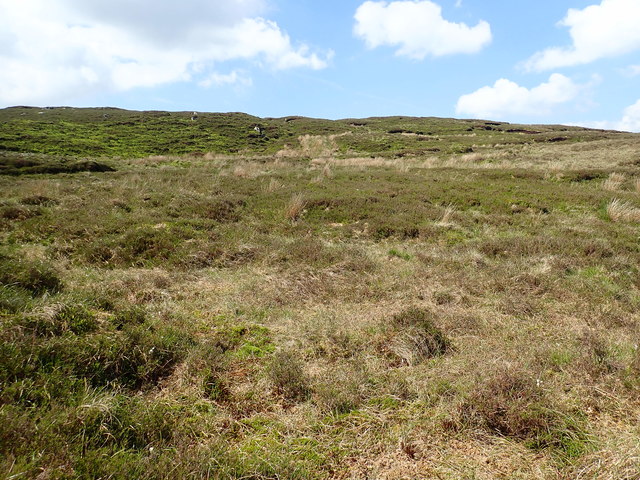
543 61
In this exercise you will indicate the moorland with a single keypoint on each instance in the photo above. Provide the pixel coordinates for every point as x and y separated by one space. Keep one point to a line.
226 296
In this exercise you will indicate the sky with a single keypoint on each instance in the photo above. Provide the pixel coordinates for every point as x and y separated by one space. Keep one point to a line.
574 62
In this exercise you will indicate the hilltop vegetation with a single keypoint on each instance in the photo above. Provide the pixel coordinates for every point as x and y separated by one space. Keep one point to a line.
374 298
113 132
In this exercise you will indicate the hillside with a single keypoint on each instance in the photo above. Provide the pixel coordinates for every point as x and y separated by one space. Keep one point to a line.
363 298
114 132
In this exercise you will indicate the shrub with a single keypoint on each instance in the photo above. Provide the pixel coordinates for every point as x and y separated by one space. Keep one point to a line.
599 358
39 200
309 251
416 338
55 166
288 377
207 364
146 244
17 432
18 212
223 210
512 403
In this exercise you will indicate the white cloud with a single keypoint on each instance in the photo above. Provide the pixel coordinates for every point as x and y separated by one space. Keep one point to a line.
418 29
167 22
506 98
54 52
599 31
631 71
631 119
234 78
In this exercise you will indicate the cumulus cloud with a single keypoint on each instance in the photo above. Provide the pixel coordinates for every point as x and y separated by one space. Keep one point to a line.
506 98
417 29
598 31
52 52
219 79
631 119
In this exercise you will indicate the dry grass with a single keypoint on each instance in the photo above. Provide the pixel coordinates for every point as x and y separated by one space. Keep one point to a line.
447 215
273 185
295 207
621 211
361 162
319 146
559 157
473 157
247 170
614 182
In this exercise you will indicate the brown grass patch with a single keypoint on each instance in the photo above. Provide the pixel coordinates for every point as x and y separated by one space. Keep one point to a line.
621 211
510 403
294 209
447 214
614 182
273 185
414 337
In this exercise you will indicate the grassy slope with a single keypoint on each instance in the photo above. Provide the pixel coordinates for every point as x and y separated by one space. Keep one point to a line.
415 298
114 132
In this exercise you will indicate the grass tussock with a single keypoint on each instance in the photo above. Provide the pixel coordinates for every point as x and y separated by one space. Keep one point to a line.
273 185
295 207
414 337
622 211
37 277
473 158
447 215
614 182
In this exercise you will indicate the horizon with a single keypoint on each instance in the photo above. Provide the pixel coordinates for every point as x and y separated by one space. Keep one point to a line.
575 64
271 117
